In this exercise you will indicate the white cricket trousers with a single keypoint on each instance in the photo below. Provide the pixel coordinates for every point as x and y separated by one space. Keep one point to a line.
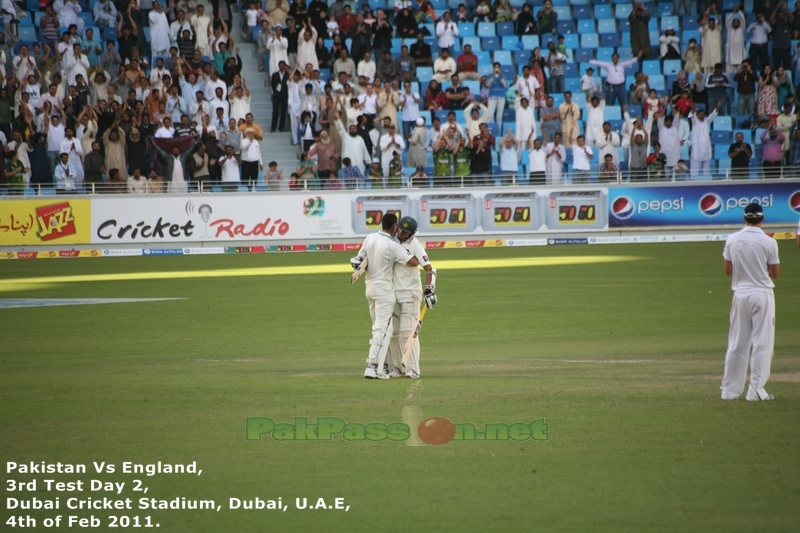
752 325
381 300
700 168
406 317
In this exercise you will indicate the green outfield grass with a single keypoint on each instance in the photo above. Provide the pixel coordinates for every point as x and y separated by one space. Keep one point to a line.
623 359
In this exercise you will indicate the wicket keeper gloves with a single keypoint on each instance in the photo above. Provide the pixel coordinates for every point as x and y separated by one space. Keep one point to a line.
430 296
355 262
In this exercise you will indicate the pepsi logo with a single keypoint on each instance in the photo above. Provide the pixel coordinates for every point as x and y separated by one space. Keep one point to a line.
710 204
794 201
622 207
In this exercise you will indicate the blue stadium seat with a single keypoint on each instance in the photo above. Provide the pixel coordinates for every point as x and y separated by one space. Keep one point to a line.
508 72
571 41
572 85
609 40
622 11
521 57
505 29
571 70
747 134
602 11
590 40
485 29
586 26
483 58
490 44
565 26
689 22
439 5
548 38
503 57
721 137
613 112
529 42
510 42
587 53
686 35
722 124
581 12
474 42
607 26
626 38
724 165
634 111
670 22
721 151
466 29
424 74
28 33
563 12
666 10
604 54
651 66
657 82
672 66
509 115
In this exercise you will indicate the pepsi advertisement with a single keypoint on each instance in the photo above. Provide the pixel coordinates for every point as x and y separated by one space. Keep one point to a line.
702 205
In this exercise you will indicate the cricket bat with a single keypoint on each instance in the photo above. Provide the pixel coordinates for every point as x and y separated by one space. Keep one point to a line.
361 270
410 342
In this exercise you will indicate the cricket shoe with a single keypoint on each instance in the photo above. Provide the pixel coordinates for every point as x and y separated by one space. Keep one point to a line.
396 373
382 375
412 374
371 372
758 396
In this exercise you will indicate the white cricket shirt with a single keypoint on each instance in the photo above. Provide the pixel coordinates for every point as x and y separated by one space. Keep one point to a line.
751 250
406 278
383 253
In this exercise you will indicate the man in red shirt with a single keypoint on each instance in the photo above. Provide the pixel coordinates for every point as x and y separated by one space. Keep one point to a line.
346 21
468 65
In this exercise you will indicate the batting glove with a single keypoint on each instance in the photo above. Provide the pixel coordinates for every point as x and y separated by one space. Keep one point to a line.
355 262
430 296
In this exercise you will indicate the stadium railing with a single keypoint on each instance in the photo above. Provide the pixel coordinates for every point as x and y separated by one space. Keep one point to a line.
621 177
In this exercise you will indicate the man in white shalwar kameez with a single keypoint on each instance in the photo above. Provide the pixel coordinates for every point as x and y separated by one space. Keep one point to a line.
608 143
701 140
277 46
555 155
595 116
669 138
735 51
159 31
525 120
390 143
353 146
67 11
295 105
200 23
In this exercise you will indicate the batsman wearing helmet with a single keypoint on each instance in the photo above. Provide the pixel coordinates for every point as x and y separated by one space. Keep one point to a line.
408 292
382 253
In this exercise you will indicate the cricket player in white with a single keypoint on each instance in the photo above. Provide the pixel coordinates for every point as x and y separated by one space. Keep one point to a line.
751 258
408 291
382 253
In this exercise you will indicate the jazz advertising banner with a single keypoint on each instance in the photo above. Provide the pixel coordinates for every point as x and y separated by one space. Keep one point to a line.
702 204
342 214
52 221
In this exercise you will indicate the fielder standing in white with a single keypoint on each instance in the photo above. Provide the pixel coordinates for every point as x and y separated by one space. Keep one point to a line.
382 253
408 292
751 258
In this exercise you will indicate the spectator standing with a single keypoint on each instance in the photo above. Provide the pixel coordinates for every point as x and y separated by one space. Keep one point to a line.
555 155
740 153
781 25
745 80
711 34
640 33
615 77
416 144
497 91
581 155
717 84
273 177
570 115
446 31
701 140
767 94
555 62
735 52
509 158
409 103
608 143
759 36
772 141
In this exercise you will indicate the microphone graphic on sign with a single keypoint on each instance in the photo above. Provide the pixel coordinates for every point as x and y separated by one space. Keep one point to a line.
205 214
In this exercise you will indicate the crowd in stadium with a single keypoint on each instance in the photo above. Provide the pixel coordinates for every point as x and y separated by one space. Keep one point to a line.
138 96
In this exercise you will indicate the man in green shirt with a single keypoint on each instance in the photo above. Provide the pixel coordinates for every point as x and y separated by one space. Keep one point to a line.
462 155
442 165
395 171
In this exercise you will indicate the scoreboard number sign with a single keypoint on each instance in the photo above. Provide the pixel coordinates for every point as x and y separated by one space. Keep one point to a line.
448 212
577 210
